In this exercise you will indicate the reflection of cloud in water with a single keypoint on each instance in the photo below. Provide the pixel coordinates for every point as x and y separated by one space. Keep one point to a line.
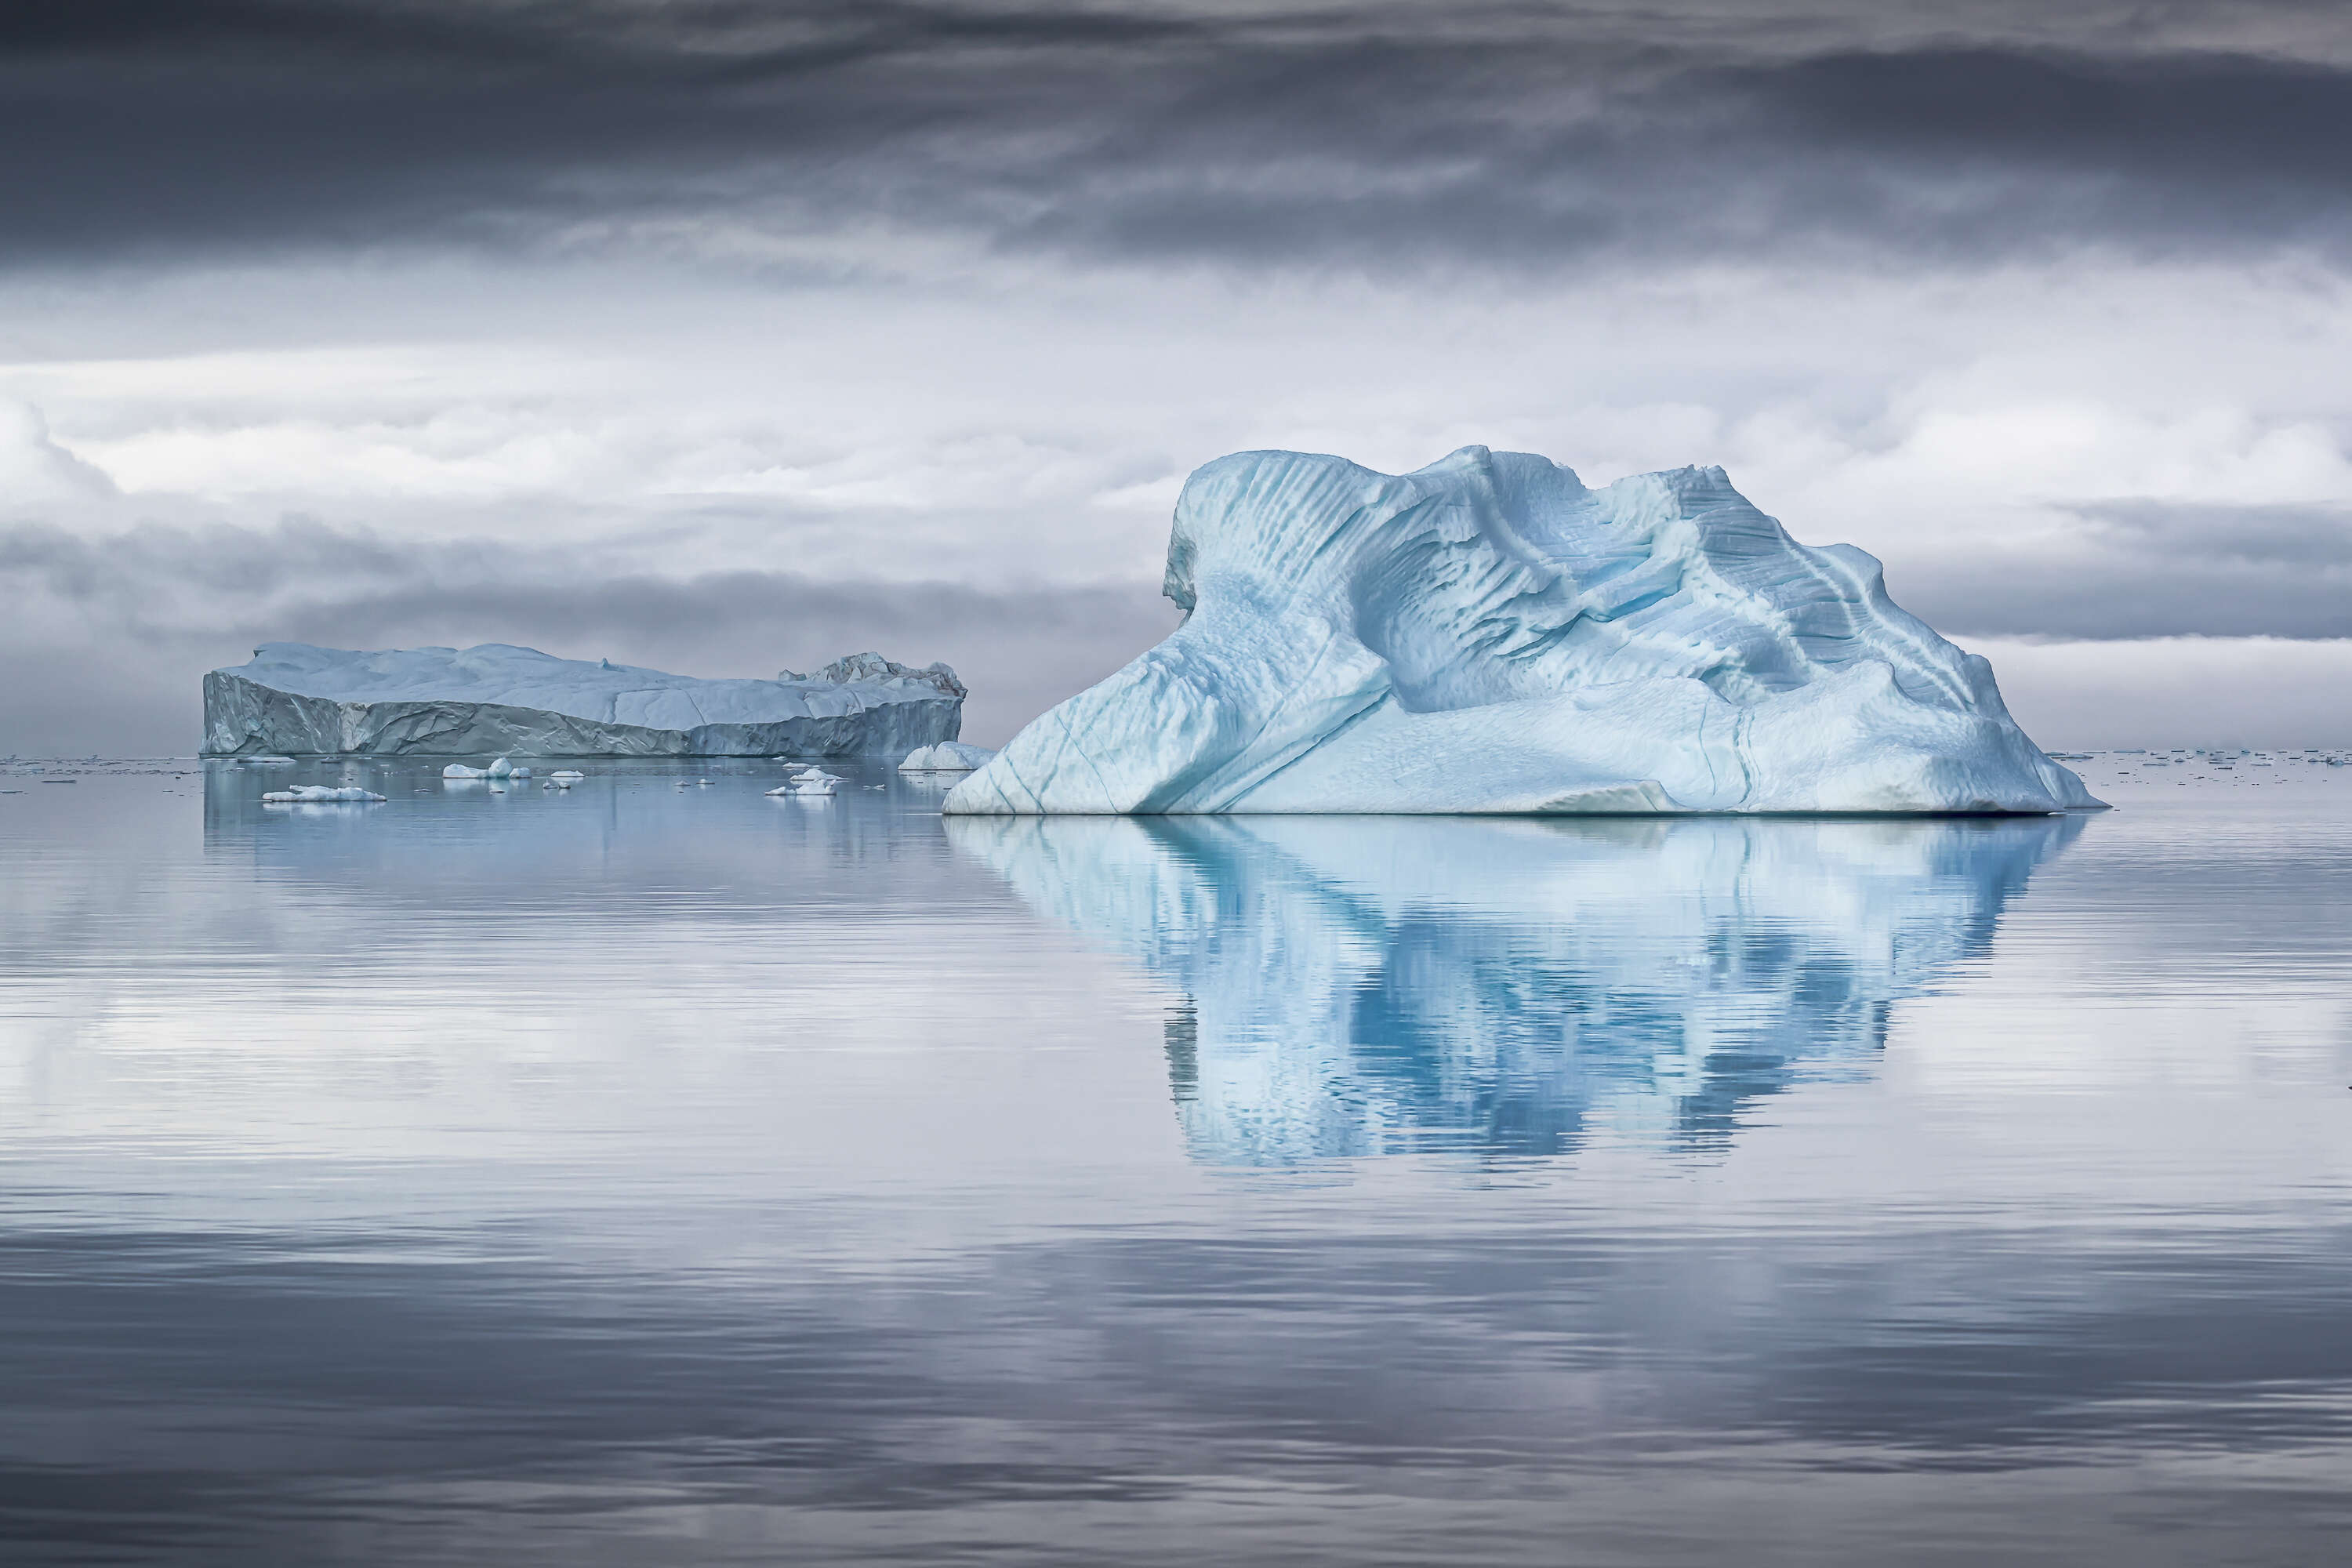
1361 985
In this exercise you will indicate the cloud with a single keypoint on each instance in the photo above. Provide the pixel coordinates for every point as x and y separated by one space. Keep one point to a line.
35 470
2175 692
1367 136
109 633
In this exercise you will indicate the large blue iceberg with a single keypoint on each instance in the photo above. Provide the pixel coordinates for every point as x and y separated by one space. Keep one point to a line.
1488 635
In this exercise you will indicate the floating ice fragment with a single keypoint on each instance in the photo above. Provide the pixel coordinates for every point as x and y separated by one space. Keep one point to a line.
946 757
809 783
567 775
266 762
314 794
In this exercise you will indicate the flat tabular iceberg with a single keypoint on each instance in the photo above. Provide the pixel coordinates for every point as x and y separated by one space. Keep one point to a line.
445 701
1488 635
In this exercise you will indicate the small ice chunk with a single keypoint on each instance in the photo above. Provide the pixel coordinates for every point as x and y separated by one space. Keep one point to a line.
567 775
814 783
946 757
460 771
309 794
266 761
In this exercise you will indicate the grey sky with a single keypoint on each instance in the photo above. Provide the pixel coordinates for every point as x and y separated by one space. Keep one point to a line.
727 337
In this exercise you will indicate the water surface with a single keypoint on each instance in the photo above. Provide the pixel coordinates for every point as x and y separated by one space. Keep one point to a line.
649 1175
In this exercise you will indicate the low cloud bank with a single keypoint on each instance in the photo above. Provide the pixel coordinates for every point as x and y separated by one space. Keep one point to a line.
2176 691
111 636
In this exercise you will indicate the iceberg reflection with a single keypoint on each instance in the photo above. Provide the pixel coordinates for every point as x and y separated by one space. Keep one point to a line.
1367 985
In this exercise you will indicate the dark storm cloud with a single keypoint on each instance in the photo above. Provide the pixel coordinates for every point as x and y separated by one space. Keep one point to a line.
1367 134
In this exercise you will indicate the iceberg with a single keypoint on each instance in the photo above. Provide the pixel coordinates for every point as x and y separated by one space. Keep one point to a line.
301 795
946 757
1488 635
294 698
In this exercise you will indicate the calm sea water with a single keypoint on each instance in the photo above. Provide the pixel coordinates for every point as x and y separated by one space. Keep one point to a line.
647 1175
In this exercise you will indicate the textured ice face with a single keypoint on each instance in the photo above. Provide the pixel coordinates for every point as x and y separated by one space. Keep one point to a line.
438 701
1488 635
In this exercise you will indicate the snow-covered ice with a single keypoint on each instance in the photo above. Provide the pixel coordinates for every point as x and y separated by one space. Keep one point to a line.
946 757
296 698
1488 635
312 794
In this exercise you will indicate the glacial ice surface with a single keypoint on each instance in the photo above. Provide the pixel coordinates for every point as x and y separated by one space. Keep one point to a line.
296 698
1488 635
